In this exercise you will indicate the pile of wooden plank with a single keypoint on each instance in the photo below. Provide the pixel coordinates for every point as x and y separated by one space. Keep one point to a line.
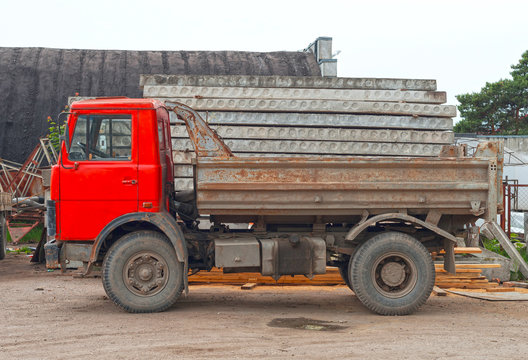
216 276
468 276
301 116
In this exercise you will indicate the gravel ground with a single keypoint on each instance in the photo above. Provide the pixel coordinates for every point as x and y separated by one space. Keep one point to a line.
49 315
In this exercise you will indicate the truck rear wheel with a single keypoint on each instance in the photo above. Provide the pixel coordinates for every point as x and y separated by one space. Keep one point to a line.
142 274
3 236
392 273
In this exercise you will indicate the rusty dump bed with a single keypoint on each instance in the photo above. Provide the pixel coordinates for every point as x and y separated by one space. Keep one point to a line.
452 183
343 186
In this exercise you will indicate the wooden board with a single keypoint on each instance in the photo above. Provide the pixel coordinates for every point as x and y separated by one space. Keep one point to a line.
500 289
465 250
456 285
248 286
518 284
442 271
439 292
466 278
472 266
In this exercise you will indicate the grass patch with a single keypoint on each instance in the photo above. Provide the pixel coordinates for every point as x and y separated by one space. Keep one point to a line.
494 245
22 250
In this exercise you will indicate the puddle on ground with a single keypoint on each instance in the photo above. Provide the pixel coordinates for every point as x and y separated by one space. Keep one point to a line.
305 324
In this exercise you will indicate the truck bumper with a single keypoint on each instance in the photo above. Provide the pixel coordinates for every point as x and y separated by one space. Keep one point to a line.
67 254
52 252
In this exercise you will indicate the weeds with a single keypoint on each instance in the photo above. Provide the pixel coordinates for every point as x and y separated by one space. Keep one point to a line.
55 132
494 245
22 250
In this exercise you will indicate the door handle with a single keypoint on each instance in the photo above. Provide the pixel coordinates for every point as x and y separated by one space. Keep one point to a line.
129 182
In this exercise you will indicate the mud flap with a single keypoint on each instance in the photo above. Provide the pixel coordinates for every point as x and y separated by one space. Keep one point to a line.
449 257
39 256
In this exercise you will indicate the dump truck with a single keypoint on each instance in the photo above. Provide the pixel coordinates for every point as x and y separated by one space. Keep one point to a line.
113 205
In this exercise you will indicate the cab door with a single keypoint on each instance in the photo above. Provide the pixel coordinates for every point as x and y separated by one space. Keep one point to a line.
99 177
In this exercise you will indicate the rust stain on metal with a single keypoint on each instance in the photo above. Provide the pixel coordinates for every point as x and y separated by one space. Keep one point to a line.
298 186
19 185
206 141
453 151
20 224
451 183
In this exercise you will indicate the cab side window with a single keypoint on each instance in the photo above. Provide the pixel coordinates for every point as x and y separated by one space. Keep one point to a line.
102 138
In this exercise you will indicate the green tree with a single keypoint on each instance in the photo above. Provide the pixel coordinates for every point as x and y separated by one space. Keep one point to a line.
500 107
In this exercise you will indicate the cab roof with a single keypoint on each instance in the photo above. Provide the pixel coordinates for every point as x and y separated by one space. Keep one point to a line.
116 102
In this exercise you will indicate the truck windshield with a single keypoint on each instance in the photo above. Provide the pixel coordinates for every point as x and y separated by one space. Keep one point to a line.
102 137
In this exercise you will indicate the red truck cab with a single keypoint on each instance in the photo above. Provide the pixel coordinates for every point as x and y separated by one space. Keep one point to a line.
111 201
112 167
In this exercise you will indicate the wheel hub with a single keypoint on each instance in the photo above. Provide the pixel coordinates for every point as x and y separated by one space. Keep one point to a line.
393 273
145 274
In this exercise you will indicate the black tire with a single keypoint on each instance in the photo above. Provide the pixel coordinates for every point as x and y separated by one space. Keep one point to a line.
343 271
392 273
142 274
3 236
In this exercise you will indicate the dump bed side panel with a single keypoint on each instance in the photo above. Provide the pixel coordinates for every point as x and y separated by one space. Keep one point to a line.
337 186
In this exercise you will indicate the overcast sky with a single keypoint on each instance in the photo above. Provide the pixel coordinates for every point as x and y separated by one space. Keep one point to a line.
460 43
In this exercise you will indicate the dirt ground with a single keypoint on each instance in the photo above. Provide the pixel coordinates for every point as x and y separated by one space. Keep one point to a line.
48 315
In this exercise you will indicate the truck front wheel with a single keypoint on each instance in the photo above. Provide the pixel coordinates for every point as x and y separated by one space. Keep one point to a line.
392 273
142 274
